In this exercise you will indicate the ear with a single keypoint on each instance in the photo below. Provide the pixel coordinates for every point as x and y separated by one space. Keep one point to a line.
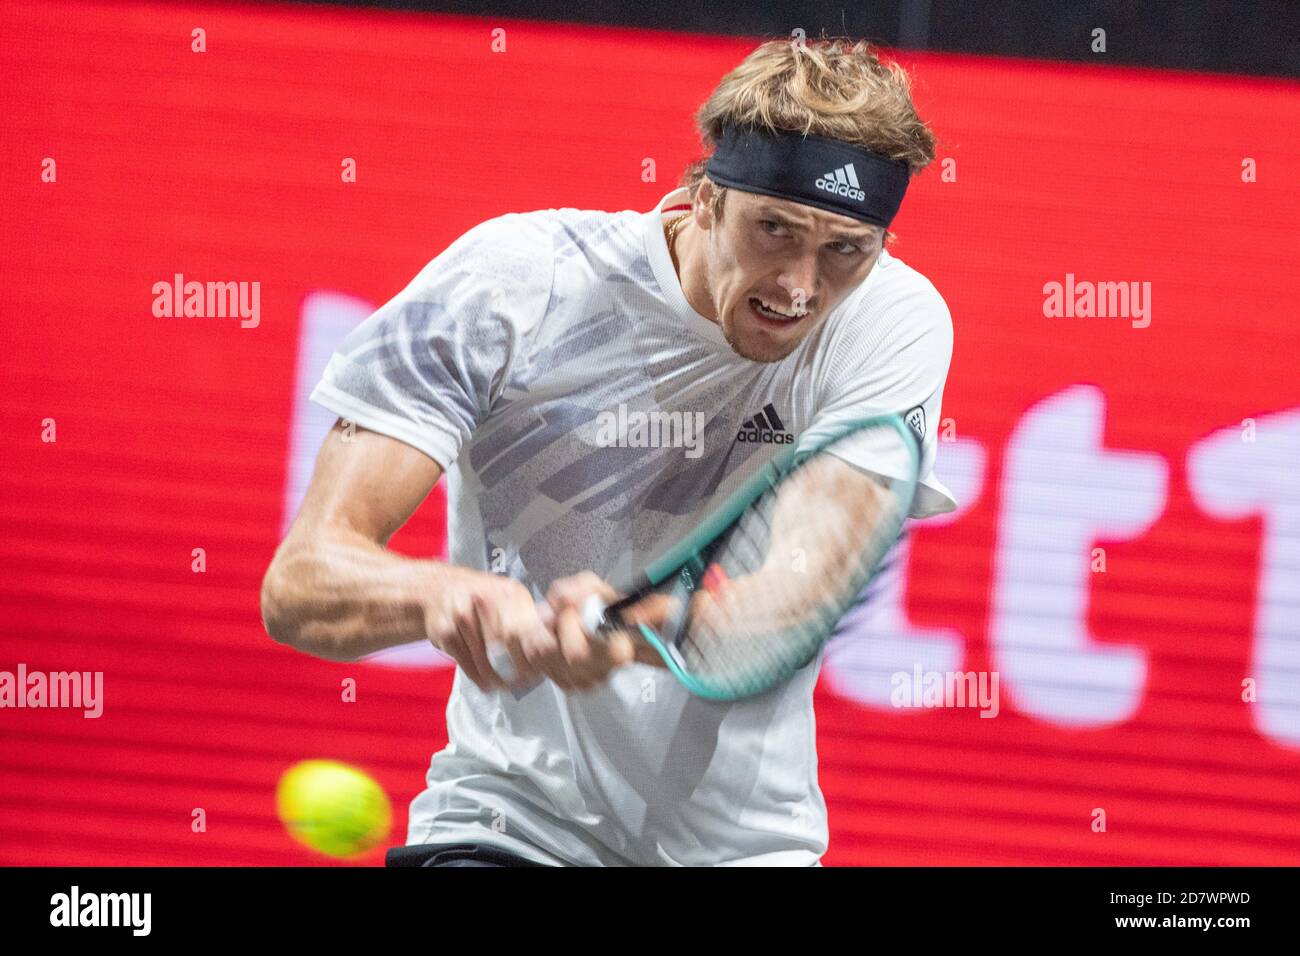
702 209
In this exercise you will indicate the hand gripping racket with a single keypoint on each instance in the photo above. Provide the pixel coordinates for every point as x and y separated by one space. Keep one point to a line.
760 585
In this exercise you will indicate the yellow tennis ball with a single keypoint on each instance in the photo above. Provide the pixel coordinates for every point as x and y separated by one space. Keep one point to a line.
333 807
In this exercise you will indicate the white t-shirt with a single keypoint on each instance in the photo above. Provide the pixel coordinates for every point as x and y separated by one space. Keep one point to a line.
502 361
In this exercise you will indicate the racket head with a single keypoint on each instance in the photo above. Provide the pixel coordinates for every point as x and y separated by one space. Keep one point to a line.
748 616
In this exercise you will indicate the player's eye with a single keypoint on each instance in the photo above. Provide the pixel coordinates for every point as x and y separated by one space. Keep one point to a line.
765 223
845 247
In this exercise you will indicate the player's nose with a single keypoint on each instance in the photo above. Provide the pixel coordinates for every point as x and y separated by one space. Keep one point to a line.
799 280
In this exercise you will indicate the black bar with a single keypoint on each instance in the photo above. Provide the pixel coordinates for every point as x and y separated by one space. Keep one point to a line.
332 904
1256 37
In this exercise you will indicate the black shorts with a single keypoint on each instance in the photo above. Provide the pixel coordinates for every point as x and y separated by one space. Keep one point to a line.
453 854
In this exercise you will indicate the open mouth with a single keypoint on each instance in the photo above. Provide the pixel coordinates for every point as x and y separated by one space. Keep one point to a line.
770 312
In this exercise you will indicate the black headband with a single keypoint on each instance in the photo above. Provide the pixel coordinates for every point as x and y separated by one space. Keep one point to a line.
812 170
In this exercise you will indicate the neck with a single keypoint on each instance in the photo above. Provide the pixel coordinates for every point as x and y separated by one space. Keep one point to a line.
687 260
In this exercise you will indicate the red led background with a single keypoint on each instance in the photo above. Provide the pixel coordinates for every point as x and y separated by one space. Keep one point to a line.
176 434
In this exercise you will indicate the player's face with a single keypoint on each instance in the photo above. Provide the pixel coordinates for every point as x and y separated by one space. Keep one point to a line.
801 261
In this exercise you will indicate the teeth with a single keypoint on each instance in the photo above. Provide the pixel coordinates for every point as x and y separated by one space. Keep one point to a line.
788 315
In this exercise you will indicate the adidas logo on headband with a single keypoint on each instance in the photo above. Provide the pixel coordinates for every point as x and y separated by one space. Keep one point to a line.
861 184
842 182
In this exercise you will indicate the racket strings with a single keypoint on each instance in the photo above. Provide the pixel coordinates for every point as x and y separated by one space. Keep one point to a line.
776 631
775 610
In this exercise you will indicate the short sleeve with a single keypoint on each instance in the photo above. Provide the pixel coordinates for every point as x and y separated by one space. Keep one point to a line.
427 367
894 361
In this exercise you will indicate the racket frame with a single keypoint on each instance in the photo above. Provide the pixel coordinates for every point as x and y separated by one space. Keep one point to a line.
684 558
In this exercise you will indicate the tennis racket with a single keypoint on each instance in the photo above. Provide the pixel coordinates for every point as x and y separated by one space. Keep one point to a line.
760 585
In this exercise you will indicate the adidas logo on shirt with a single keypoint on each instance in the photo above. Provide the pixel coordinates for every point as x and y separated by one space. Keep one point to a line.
842 182
765 427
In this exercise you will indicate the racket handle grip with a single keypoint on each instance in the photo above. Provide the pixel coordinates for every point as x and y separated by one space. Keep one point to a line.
593 617
502 663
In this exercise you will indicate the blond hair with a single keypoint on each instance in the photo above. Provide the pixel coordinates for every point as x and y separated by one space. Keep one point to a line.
837 88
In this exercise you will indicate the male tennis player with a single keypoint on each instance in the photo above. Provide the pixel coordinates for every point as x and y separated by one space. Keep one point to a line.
758 301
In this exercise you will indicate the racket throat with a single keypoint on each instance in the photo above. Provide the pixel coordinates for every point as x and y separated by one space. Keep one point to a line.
666 648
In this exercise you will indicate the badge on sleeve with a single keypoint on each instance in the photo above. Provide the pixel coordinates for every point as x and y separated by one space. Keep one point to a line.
916 419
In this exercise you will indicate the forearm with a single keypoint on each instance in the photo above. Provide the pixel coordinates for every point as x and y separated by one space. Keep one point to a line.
813 552
343 596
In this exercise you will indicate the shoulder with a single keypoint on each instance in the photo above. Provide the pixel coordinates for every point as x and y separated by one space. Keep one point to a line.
903 298
896 314
555 223
552 236
516 235
508 258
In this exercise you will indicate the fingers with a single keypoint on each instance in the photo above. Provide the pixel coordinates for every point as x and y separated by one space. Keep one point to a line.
580 656
543 639
622 649
478 648
499 630
577 661
546 613
574 590
588 660
467 650
568 657
654 611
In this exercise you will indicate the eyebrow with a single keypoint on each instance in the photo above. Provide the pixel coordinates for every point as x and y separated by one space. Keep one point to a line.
781 218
